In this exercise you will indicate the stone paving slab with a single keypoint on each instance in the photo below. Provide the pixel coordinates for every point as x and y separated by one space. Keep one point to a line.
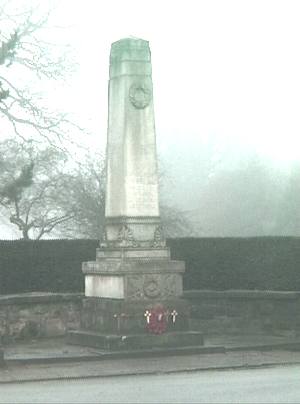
58 347
249 340
57 360
45 348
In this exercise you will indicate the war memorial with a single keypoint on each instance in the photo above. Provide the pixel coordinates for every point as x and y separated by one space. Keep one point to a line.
133 290
245 296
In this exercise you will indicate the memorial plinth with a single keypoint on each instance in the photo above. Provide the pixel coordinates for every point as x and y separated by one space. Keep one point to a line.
133 262
133 273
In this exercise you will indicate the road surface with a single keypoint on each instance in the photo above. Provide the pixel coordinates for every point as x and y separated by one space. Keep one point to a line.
266 385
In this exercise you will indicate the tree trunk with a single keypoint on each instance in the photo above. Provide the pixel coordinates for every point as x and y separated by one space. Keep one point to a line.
25 234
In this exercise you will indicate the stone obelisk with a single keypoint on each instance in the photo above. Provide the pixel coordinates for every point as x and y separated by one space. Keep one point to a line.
133 261
133 285
132 182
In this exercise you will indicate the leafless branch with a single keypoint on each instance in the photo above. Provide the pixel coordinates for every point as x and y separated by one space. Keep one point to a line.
22 44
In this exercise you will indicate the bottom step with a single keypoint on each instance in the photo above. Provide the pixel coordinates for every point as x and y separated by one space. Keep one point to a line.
135 341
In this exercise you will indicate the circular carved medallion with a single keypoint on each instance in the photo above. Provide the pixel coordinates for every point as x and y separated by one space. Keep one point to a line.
140 95
151 288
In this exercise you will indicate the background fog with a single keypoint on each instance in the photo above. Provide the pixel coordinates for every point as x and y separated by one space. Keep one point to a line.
226 97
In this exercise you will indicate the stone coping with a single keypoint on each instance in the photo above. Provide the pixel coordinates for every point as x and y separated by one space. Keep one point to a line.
129 266
40 297
241 294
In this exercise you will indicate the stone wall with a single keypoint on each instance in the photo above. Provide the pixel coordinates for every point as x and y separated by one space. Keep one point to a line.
38 315
245 312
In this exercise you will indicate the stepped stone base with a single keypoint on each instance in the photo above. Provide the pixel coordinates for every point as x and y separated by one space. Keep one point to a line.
116 342
114 324
114 316
122 287
133 274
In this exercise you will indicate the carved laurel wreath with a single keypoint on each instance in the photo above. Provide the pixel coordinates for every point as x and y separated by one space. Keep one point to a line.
151 288
140 95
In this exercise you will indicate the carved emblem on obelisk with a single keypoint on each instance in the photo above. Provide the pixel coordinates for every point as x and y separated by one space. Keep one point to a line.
140 95
125 237
159 237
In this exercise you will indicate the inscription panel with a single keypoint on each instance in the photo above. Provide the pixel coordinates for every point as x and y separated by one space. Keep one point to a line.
141 199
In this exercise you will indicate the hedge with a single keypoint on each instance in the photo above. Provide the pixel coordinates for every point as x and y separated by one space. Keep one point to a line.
44 265
271 263
265 263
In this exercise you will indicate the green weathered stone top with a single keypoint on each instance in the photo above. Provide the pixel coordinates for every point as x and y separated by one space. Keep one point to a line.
130 56
134 49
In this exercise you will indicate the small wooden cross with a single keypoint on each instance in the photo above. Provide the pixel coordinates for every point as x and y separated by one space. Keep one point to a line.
174 314
147 314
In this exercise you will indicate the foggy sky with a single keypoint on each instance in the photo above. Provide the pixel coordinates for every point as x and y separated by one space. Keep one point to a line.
225 74
223 68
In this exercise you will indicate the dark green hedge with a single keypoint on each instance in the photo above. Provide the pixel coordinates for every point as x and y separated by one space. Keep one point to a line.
271 263
211 263
44 265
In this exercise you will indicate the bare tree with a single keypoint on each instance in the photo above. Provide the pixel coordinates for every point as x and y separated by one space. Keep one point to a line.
32 190
42 192
26 57
87 192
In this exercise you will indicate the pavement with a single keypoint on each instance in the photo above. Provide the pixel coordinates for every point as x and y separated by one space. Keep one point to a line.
54 359
279 384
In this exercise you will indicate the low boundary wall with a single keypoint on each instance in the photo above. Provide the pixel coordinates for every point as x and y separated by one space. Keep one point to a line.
43 315
245 312
38 315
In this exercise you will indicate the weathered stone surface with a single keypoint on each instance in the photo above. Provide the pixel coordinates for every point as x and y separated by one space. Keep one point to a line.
133 262
120 316
39 297
132 266
133 253
53 327
22 317
133 279
132 182
38 315
116 342
108 286
132 205
138 232
241 294
245 312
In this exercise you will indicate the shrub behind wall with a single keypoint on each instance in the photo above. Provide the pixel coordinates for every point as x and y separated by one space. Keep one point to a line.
211 263
270 263
44 265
